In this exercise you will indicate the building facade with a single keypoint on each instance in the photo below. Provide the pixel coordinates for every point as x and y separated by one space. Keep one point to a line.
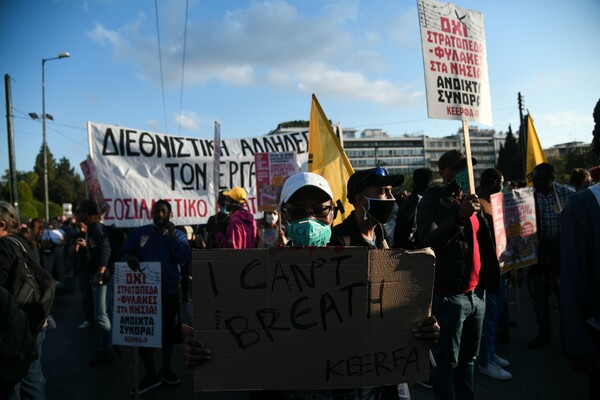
403 154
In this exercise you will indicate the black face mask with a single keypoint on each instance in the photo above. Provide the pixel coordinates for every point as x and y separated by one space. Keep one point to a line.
380 210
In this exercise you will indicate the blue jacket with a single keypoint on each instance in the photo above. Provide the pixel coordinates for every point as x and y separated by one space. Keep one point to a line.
148 245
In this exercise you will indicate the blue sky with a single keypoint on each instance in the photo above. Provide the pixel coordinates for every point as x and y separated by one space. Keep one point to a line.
253 64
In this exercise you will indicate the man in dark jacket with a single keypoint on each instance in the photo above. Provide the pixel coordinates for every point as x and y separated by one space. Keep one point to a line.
450 222
370 192
98 254
405 236
580 281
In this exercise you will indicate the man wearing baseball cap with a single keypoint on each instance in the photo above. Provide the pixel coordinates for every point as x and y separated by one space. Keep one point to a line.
450 222
370 192
241 230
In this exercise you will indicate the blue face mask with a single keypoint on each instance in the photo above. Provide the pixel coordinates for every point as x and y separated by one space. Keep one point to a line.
462 180
309 232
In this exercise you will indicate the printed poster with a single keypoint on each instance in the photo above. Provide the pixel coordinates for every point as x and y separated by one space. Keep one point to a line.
515 228
272 169
137 314
455 62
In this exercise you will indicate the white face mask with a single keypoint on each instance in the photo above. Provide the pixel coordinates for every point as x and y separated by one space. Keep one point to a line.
271 218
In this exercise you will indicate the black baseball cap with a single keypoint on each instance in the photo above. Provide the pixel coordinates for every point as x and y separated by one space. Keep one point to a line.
371 177
454 159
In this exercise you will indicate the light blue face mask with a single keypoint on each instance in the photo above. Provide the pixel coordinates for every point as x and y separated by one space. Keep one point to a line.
462 180
309 232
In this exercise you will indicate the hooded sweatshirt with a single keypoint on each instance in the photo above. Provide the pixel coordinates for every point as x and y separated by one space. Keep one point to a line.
241 231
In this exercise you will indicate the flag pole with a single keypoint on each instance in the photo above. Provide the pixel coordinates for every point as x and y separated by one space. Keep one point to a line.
465 123
217 169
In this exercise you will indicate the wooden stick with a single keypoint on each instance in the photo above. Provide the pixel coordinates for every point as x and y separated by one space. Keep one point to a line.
468 154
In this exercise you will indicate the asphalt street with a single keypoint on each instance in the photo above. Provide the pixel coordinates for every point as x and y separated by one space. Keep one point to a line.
537 374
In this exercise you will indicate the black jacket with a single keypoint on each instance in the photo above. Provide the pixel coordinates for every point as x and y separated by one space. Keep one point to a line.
348 234
438 227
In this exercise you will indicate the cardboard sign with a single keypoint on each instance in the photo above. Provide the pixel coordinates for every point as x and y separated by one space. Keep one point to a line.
515 228
310 318
137 314
455 62
272 169
135 168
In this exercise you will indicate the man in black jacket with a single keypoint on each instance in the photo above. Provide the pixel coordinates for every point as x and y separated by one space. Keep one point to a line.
370 192
450 222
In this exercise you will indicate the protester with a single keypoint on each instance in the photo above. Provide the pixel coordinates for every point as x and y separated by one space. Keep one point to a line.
269 233
550 199
308 211
53 243
80 267
160 242
206 233
241 228
490 363
466 266
405 231
580 281
33 384
184 268
98 255
580 179
370 192
69 227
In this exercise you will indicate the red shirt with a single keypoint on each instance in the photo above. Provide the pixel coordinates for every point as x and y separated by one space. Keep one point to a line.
474 278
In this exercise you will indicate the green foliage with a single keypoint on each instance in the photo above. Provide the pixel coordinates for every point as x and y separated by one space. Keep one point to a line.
27 203
64 186
509 158
294 124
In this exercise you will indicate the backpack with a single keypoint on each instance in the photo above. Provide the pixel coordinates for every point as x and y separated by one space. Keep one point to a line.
32 289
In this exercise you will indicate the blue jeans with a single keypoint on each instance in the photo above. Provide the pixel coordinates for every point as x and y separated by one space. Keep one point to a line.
460 317
494 307
103 313
33 385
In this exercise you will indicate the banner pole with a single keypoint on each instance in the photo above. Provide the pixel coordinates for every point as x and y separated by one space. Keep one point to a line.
468 154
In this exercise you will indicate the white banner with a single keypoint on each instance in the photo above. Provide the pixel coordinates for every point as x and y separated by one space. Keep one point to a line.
135 168
137 314
455 62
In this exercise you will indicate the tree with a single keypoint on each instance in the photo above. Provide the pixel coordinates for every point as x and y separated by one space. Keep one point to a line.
67 186
29 207
38 168
64 185
509 159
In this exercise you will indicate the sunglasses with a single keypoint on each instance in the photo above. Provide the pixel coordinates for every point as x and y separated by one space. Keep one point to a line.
317 211
380 171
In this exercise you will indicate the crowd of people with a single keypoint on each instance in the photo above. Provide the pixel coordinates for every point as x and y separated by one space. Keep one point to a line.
469 308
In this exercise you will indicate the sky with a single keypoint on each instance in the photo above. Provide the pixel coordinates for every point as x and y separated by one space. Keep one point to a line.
252 64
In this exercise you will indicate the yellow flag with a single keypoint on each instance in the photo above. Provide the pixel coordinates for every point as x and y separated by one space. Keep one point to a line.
535 154
327 158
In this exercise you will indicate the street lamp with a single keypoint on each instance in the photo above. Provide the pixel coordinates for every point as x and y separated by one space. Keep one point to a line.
44 145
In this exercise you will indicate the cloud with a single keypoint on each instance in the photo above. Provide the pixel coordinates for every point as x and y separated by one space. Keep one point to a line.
270 44
189 120
566 119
